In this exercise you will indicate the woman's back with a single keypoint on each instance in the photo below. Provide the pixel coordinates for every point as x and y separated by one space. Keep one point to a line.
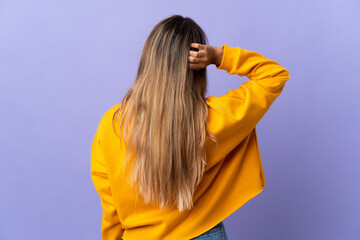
233 173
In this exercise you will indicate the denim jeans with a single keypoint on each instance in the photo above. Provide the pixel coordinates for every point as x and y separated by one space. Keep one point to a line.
216 233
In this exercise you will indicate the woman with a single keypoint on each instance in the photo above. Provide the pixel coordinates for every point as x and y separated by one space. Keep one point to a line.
169 163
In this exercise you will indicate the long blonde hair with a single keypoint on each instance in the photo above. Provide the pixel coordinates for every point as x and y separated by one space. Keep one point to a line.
166 113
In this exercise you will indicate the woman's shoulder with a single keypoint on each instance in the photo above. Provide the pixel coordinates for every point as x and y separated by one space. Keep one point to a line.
109 113
105 125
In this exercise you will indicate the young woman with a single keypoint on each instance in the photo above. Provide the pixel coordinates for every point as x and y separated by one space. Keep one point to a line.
169 163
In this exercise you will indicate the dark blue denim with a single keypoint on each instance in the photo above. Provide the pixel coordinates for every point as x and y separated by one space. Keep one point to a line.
216 233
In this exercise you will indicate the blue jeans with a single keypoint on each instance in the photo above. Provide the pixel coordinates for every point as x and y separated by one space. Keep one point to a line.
216 233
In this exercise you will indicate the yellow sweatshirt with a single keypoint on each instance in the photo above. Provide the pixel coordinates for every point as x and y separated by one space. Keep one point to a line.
233 174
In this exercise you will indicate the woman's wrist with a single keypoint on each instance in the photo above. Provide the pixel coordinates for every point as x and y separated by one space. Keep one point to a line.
219 52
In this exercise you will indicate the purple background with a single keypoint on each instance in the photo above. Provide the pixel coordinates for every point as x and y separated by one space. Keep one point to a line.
64 63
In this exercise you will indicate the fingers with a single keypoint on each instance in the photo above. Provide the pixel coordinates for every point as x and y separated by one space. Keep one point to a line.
197 45
196 63
196 54
196 57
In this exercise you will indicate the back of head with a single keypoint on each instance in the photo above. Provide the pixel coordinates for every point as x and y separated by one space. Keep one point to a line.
166 49
163 116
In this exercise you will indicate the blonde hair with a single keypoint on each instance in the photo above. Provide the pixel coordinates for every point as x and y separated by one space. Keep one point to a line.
166 114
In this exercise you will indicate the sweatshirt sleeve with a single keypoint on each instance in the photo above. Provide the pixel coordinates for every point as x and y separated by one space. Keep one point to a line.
235 114
266 75
111 227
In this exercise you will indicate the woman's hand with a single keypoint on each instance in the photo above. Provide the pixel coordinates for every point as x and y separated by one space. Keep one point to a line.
206 55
